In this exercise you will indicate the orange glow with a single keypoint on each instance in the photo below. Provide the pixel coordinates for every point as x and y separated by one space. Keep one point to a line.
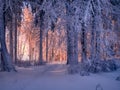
28 41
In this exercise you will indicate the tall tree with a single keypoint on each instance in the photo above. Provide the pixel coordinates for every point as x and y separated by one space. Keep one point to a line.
16 19
42 12
83 42
72 54
47 46
12 20
95 10
8 66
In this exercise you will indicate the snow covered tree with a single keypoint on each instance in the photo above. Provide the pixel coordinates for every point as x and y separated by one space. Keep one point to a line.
6 60
70 11
12 20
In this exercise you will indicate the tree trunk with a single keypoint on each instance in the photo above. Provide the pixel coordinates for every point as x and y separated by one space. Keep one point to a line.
70 47
76 46
93 39
30 48
72 57
15 38
97 56
83 43
0 57
11 40
8 66
41 35
47 46
96 26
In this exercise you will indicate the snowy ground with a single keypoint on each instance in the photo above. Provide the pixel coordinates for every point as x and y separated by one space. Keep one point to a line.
55 77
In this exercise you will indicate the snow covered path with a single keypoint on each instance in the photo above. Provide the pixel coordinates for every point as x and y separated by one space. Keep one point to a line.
55 77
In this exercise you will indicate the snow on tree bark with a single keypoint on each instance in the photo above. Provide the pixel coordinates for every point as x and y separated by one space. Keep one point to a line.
72 37
8 66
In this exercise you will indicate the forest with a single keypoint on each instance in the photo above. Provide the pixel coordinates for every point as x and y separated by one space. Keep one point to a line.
50 40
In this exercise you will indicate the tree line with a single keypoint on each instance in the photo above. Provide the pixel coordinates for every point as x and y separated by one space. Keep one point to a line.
91 27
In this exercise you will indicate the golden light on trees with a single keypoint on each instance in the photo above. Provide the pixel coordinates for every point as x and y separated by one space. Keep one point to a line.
29 38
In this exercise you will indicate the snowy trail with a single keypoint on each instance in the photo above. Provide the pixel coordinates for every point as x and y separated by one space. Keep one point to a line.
55 77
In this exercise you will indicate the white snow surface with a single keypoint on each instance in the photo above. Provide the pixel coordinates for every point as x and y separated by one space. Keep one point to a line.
55 77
